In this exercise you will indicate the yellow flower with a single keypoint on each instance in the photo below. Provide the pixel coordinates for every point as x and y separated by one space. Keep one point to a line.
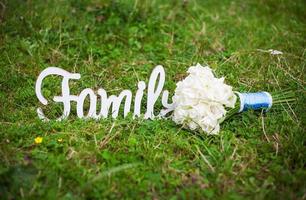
38 140
60 140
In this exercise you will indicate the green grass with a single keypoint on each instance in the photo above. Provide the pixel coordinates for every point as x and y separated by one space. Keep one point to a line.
113 44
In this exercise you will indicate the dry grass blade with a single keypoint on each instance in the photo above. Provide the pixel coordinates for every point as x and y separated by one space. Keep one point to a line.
205 160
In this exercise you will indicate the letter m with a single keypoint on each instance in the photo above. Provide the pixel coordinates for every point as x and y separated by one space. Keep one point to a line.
115 102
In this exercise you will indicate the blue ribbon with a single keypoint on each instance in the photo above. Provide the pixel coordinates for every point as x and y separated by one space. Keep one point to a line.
255 101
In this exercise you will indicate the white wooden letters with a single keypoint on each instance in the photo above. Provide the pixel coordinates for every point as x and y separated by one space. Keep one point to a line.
109 105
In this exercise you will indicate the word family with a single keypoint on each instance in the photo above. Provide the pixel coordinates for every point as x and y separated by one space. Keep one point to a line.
113 102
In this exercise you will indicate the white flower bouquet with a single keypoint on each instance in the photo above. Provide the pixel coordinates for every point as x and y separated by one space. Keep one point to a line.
202 101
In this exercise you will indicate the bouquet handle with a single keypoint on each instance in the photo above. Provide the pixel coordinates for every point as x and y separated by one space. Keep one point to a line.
255 101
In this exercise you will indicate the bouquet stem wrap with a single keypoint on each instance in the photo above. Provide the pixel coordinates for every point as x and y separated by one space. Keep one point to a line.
255 101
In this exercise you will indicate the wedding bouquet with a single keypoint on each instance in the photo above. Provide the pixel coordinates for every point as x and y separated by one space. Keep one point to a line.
202 101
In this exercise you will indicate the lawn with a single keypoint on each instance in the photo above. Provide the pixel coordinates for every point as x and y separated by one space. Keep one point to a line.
114 44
